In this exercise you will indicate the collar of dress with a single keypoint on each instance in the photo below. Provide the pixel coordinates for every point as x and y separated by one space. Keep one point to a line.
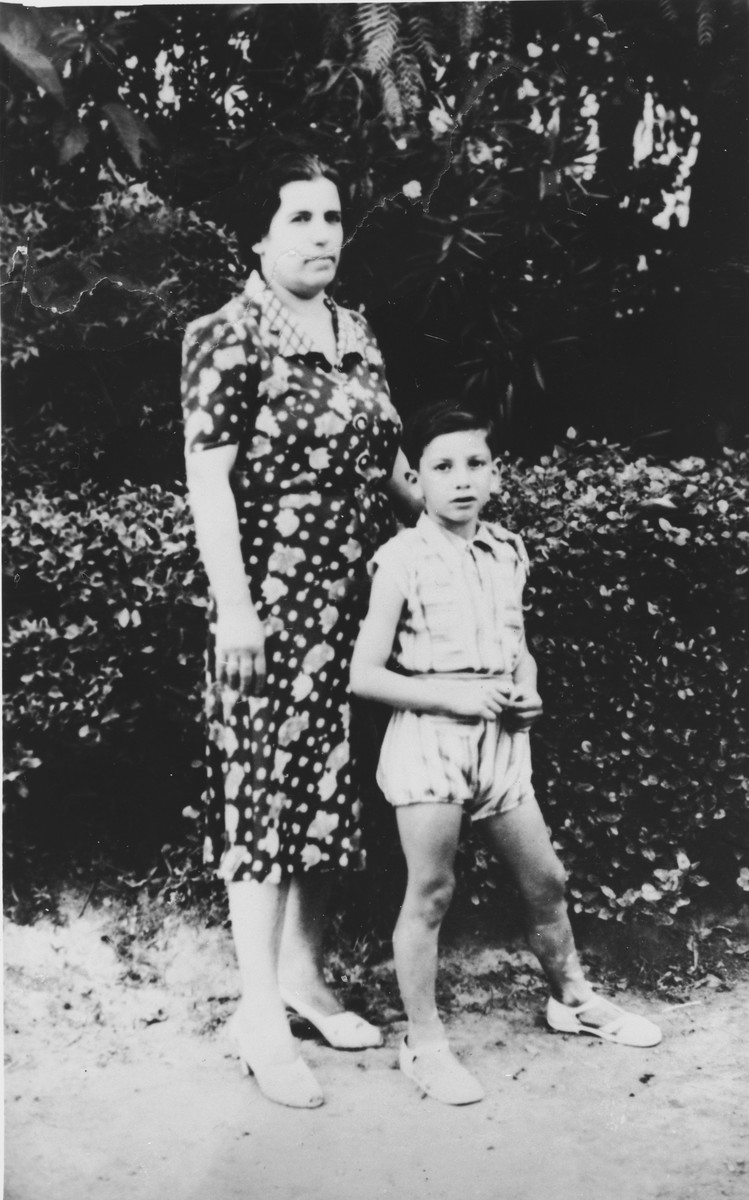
278 321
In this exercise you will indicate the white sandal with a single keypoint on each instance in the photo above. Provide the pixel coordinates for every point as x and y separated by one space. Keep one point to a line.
624 1028
342 1031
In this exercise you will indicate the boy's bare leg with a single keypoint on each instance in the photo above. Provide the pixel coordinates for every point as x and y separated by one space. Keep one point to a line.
520 838
429 836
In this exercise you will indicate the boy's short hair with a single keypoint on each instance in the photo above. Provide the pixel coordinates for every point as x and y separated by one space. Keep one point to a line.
435 420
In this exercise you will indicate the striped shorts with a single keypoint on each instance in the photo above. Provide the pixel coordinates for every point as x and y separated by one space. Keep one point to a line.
478 765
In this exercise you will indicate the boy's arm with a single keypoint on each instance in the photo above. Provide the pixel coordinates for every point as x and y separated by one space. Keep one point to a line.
526 706
371 678
525 675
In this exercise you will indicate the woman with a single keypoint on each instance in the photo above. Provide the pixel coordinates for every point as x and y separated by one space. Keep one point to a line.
291 442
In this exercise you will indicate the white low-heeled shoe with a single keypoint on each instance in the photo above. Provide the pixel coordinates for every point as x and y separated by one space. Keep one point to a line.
342 1031
624 1028
291 1084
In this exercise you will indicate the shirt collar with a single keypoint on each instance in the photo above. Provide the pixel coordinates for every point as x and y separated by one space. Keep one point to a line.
277 320
488 536
440 539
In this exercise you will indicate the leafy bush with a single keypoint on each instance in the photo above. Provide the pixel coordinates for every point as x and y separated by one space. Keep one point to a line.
637 608
637 612
103 643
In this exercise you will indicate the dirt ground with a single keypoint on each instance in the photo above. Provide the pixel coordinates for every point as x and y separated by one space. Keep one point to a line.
120 1086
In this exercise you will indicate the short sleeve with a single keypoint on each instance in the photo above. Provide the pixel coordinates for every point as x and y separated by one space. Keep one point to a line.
218 385
522 553
373 354
393 560
500 534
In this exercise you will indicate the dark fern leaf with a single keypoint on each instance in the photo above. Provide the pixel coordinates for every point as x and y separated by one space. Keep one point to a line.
378 27
408 79
505 25
668 10
391 97
470 19
338 26
705 22
419 38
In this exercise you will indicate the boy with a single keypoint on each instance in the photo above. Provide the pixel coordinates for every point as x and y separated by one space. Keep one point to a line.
443 644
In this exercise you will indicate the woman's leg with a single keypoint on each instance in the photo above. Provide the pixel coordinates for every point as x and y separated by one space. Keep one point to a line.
301 959
257 911
429 837
520 838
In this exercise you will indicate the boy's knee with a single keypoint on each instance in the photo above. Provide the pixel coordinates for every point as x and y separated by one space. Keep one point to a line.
445 892
434 896
548 890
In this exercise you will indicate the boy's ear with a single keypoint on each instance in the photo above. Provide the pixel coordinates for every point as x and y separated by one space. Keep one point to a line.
495 477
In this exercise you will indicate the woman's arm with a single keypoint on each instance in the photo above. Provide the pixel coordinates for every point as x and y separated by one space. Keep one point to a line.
240 637
371 678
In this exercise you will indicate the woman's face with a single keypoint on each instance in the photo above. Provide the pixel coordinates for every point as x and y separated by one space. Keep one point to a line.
301 249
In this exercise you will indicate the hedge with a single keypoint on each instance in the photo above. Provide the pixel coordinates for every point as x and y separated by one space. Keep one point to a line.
636 609
638 615
104 631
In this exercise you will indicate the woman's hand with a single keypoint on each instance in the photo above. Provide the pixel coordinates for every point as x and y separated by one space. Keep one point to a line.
240 648
405 500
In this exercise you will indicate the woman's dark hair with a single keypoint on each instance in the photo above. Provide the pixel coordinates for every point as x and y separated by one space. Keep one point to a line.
431 422
256 203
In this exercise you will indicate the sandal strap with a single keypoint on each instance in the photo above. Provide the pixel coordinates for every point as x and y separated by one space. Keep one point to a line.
616 1022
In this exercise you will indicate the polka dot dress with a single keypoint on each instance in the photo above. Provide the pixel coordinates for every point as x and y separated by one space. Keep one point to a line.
316 445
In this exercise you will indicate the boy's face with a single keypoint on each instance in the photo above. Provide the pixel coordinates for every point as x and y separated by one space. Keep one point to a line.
455 478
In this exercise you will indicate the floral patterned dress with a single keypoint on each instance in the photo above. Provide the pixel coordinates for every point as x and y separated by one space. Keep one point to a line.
316 444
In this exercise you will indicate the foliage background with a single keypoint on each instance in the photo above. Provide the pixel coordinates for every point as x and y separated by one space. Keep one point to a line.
638 603
501 191
502 178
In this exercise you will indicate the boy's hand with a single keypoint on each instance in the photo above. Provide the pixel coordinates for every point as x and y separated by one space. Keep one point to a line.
484 699
524 707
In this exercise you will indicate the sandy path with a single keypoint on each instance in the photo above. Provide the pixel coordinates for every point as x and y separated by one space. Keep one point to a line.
126 1094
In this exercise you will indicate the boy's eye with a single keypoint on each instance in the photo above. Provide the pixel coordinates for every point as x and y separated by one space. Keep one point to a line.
334 218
